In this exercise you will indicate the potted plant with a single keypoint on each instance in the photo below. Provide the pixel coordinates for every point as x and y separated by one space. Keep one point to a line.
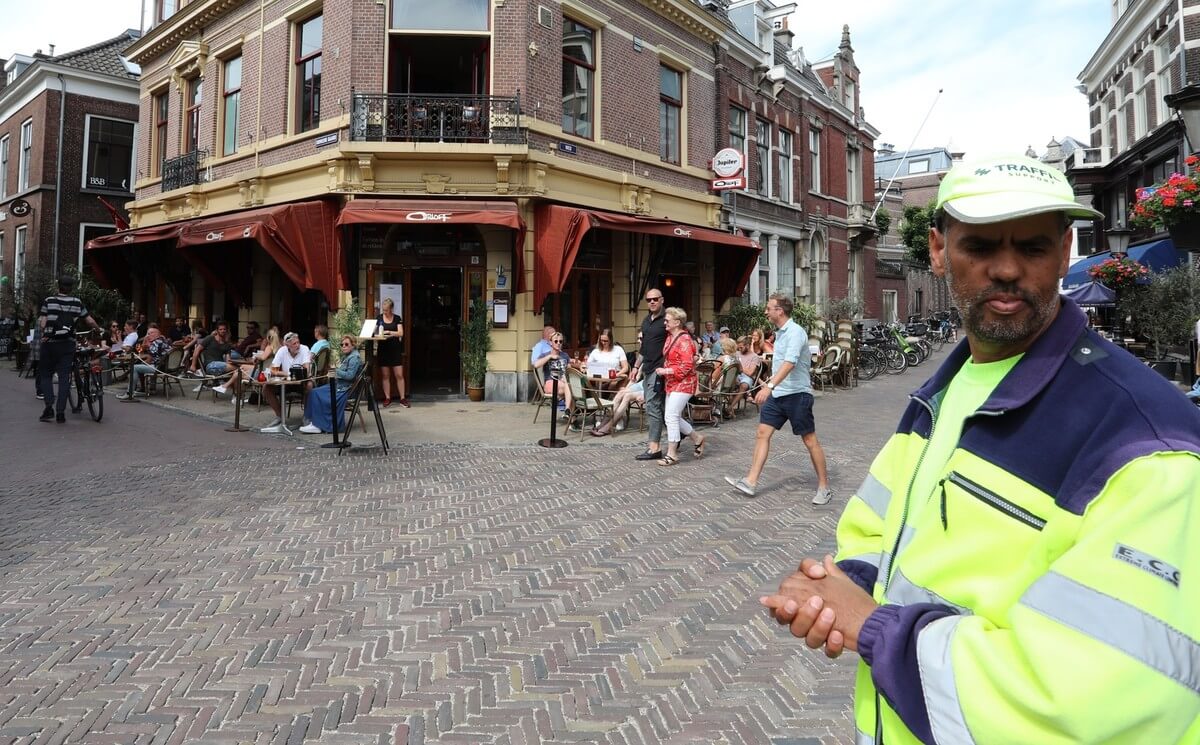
1118 273
477 342
1164 311
1173 205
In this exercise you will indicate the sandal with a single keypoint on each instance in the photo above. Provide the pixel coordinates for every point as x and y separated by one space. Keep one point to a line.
667 460
599 433
699 449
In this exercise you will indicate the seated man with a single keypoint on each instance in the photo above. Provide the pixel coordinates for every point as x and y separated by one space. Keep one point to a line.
749 362
213 351
155 350
320 412
180 330
131 335
291 354
249 343
321 334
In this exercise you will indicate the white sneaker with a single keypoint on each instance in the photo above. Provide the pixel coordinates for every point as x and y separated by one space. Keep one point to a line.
620 426
311 429
823 496
220 389
273 430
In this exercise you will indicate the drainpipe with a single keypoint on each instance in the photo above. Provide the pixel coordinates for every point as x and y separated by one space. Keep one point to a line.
62 119
262 32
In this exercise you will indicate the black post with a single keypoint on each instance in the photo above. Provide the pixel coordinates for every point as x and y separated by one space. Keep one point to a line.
333 416
237 404
553 441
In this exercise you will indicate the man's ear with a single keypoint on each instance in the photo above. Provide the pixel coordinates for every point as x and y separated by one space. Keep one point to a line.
937 251
1067 242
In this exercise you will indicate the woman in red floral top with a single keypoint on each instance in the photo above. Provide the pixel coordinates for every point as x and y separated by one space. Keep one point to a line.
679 371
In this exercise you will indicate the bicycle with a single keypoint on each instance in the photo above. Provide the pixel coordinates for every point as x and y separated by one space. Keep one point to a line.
88 387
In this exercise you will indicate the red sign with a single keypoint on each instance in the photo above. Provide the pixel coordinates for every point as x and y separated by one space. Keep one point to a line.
720 184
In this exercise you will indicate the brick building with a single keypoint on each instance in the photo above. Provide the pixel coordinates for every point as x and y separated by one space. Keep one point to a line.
552 159
87 100
1136 139
809 156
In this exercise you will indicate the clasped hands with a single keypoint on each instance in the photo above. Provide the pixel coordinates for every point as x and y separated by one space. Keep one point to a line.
822 605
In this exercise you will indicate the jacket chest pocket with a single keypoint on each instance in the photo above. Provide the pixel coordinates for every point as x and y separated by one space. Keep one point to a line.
956 488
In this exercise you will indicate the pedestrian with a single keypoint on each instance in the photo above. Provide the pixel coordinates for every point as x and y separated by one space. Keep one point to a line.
56 329
1019 564
786 397
390 354
654 337
679 371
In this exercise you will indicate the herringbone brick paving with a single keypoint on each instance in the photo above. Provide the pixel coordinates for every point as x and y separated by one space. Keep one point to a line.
445 594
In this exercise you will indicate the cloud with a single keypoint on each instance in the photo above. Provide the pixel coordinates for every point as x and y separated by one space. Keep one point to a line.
1008 71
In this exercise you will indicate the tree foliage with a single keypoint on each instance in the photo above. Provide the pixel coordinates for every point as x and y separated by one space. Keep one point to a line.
914 231
883 221
1165 310
744 317
38 283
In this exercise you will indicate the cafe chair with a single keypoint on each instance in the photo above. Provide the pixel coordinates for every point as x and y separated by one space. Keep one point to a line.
169 371
585 401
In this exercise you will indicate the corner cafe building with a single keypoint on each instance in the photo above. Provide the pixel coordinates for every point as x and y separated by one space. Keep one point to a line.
534 261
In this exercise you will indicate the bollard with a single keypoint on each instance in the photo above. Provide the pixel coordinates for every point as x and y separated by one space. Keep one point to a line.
553 441
237 404
333 415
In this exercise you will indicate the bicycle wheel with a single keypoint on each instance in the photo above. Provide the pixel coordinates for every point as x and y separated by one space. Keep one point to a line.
95 398
912 357
74 400
868 364
896 362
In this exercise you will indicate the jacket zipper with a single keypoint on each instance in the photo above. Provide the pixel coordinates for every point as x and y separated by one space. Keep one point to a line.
991 499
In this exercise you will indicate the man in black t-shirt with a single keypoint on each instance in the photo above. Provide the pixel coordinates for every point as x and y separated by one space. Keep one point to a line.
654 338
56 326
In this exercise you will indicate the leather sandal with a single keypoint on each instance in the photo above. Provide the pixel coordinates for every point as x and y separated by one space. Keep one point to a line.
668 461
699 449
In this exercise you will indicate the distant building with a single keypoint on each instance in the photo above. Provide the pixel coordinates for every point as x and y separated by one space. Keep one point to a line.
87 100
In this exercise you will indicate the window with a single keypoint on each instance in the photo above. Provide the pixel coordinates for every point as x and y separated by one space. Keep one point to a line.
19 257
164 9
26 155
191 115
308 72
849 99
231 94
91 231
890 309
785 166
445 15
670 110
918 303
158 151
578 78
4 166
814 148
786 267
1162 78
853 176
762 148
918 166
1140 104
737 129
109 162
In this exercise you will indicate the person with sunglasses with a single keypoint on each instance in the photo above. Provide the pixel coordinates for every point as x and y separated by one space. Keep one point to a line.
554 364
320 413
654 339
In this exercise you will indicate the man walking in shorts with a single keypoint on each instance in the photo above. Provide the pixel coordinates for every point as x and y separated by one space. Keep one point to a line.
786 397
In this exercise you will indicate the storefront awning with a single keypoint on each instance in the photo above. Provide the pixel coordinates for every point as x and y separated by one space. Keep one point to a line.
1155 255
420 212
300 238
111 265
560 231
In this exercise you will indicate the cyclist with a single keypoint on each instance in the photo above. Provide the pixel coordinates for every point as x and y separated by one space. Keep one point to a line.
56 325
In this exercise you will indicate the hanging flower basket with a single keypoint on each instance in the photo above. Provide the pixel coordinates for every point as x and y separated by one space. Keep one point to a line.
1118 273
1173 205
1185 233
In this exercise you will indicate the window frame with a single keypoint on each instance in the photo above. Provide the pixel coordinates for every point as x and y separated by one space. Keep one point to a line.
5 143
25 155
814 149
854 189
741 134
193 100
160 9
20 245
591 77
784 158
84 182
226 95
762 153
918 162
1163 82
486 17
667 104
160 103
300 62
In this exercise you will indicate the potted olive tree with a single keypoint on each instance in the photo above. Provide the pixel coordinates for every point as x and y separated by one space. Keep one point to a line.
477 342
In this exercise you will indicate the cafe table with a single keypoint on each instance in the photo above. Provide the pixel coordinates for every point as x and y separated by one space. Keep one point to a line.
284 382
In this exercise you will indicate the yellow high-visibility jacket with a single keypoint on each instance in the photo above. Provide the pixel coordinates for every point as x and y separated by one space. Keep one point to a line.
1049 590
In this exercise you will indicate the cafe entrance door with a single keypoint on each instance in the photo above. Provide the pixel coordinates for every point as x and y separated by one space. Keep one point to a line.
433 327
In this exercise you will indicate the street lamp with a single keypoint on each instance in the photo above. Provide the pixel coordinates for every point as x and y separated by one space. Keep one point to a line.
1118 241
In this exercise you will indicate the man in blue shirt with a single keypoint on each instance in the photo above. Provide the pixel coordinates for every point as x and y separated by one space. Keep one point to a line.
787 396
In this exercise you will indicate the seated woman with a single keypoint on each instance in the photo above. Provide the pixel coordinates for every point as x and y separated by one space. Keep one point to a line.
320 413
556 360
608 354
268 347
626 397
726 349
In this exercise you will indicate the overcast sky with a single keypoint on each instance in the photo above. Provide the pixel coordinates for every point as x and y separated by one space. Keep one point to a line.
1008 69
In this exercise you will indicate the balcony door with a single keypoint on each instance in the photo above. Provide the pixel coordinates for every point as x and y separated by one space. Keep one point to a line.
438 65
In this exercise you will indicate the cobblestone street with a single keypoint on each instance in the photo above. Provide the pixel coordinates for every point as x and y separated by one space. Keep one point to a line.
163 581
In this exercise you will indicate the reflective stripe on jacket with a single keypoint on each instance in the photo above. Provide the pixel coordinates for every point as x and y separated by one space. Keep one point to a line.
1049 590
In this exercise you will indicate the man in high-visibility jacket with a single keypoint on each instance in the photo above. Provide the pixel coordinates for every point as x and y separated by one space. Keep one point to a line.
1022 563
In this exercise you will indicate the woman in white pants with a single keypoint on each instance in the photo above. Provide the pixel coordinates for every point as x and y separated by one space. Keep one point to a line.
679 372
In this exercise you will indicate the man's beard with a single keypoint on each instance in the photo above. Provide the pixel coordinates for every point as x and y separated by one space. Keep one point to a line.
1003 330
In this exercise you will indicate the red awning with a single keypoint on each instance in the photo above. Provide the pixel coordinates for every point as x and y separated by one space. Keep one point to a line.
560 231
112 266
418 212
300 238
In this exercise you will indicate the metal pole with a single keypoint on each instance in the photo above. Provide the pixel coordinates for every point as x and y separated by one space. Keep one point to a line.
333 413
871 219
237 403
553 441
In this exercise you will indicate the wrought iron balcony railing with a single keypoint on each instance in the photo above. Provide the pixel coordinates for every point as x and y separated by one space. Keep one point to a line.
183 171
413 117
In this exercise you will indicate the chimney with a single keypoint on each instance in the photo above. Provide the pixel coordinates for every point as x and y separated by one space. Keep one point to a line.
51 50
885 148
